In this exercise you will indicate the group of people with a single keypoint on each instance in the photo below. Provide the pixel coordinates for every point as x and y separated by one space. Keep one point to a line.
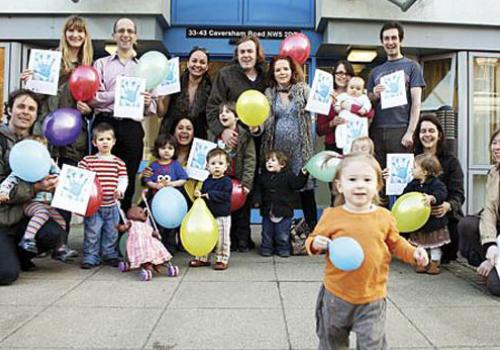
268 160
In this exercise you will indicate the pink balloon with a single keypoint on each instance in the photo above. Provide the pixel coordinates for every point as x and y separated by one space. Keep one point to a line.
296 46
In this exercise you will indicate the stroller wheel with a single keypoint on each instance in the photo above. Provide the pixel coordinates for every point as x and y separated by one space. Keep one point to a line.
173 271
123 266
144 275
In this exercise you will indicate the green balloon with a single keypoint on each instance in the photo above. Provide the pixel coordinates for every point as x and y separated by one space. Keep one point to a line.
123 244
323 165
411 212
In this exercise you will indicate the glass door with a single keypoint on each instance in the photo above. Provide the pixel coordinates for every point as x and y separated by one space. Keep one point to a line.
4 76
483 120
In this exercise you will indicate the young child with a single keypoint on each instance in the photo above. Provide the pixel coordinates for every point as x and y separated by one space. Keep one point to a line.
434 233
356 300
38 209
100 232
363 144
217 190
165 170
278 185
242 167
355 126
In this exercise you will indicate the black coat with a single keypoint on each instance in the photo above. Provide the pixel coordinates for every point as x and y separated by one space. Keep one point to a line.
278 191
434 187
453 178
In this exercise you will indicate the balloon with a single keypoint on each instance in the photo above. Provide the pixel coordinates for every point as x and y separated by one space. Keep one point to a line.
411 211
30 160
252 107
296 46
199 230
83 83
62 126
346 253
323 165
123 244
152 66
95 199
169 207
238 197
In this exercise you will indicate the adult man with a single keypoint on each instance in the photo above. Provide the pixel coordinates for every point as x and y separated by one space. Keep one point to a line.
392 128
129 133
22 108
247 73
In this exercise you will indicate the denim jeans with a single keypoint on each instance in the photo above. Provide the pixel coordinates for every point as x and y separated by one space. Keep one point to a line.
277 233
101 235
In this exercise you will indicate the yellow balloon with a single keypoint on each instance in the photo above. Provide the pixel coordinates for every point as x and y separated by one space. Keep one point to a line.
199 230
411 212
252 108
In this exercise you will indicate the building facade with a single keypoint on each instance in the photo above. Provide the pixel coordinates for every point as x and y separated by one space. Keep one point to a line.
456 42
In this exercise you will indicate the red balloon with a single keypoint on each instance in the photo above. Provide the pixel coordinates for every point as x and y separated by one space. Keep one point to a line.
95 199
238 197
296 46
83 83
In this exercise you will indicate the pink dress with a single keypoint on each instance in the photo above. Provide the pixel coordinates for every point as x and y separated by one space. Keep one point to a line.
143 248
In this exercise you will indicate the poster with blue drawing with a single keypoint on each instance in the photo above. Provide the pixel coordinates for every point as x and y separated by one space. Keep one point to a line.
45 65
171 84
400 166
129 102
197 163
346 133
73 190
394 94
319 100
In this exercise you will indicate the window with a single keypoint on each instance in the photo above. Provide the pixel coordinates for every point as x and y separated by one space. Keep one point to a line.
440 89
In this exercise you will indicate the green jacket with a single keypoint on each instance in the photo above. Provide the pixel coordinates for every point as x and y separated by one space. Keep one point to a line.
12 212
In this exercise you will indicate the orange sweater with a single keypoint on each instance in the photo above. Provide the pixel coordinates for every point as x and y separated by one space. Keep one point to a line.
377 234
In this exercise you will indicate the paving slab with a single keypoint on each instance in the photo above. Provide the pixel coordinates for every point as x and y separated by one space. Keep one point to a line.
237 271
77 328
35 292
300 272
299 295
120 294
12 317
220 329
472 326
227 295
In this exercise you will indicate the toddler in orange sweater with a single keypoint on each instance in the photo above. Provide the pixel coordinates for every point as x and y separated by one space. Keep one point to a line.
355 300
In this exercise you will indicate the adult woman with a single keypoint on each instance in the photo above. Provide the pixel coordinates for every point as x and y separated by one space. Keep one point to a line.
325 124
21 109
288 127
429 138
76 50
478 233
192 100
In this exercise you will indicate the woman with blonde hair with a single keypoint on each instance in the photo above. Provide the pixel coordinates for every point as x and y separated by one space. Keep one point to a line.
76 50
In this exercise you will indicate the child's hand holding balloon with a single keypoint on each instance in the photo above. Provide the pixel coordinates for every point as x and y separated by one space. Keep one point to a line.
320 243
421 257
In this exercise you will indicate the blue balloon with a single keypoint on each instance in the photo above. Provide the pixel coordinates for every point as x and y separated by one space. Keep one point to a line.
169 207
30 161
346 253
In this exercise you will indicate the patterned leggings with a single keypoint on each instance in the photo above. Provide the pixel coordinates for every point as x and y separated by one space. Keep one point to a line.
40 213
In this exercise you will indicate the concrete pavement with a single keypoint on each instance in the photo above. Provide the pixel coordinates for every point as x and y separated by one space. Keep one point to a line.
258 303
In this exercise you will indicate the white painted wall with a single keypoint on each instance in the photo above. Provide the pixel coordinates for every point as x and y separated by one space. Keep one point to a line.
468 12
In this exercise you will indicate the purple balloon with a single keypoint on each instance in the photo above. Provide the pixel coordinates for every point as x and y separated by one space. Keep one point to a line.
62 126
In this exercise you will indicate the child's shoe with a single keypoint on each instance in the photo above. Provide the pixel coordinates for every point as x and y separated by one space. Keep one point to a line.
219 266
64 254
434 268
421 269
198 263
113 262
29 245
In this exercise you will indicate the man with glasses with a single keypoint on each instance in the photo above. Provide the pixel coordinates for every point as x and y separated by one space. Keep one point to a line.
128 132
392 128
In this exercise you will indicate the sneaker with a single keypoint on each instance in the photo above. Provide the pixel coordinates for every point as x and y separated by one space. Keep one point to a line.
243 249
114 262
86 266
71 253
29 244
284 255
266 254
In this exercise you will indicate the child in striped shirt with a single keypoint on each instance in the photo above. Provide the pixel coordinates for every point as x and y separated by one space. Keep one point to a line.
100 232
